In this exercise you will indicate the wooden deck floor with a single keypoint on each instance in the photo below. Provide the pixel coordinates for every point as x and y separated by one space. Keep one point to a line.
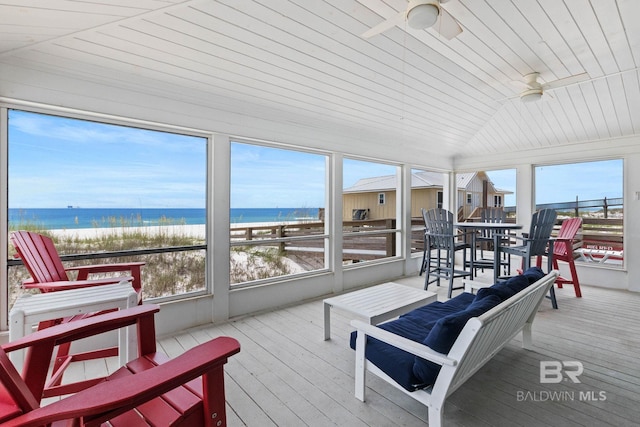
286 375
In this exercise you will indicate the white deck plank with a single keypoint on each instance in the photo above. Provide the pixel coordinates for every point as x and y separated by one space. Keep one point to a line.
287 375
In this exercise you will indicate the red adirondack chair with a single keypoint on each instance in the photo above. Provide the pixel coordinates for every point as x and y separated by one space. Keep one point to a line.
150 390
40 257
563 251
48 274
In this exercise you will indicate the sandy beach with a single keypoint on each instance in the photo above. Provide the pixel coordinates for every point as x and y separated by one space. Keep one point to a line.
197 230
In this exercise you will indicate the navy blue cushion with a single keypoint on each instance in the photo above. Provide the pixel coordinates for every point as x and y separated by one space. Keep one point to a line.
415 325
500 290
437 310
533 274
445 332
461 301
517 283
396 363
512 285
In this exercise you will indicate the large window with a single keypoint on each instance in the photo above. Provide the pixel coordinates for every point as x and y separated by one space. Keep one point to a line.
277 212
97 188
369 227
592 191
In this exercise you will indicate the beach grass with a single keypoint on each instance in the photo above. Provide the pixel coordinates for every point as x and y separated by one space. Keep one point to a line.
164 274
255 263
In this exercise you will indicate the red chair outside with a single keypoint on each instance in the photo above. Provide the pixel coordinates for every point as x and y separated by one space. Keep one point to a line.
151 390
48 274
40 257
563 251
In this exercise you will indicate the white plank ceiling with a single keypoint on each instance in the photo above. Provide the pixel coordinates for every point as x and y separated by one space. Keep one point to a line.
307 59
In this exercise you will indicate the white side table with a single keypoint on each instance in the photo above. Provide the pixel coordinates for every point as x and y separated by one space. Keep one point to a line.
29 310
377 303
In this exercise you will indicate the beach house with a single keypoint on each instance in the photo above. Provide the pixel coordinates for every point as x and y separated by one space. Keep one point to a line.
490 85
375 197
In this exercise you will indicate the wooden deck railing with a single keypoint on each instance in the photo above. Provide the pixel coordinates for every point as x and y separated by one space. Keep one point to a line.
362 240
596 233
372 239
601 233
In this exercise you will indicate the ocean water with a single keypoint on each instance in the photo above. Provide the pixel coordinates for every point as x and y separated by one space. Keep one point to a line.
73 218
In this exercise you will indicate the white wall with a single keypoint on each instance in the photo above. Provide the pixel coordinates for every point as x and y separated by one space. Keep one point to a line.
80 93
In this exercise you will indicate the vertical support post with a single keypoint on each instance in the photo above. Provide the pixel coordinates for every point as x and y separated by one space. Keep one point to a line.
391 238
218 212
333 223
280 232
525 194
4 191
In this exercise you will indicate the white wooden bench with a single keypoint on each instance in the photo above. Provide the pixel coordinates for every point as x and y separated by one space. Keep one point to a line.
481 338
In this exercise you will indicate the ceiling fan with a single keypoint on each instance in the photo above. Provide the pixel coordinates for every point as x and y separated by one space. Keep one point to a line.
533 89
420 15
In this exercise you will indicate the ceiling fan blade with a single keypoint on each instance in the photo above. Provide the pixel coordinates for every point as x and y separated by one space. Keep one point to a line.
447 25
567 81
520 84
385 25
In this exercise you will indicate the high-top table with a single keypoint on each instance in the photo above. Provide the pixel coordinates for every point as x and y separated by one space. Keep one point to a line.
377 303
497 227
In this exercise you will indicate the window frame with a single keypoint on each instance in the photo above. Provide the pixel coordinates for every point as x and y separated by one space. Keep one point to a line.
582 204
397 231
327 219
113 121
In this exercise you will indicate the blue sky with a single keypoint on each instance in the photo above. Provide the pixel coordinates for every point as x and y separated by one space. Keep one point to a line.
272 177
265 177
55 162
588 181
562 183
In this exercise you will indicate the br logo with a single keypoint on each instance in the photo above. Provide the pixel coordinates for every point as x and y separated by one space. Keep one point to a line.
554 371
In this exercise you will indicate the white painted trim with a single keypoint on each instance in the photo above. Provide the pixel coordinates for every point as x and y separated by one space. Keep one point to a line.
218 255
404 213
525 197
604 149
36 107
4 185
334 209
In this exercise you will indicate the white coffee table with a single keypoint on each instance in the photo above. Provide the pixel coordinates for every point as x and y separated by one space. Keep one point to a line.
377 303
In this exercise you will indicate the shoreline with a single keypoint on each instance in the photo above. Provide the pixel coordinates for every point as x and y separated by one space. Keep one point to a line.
197 230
